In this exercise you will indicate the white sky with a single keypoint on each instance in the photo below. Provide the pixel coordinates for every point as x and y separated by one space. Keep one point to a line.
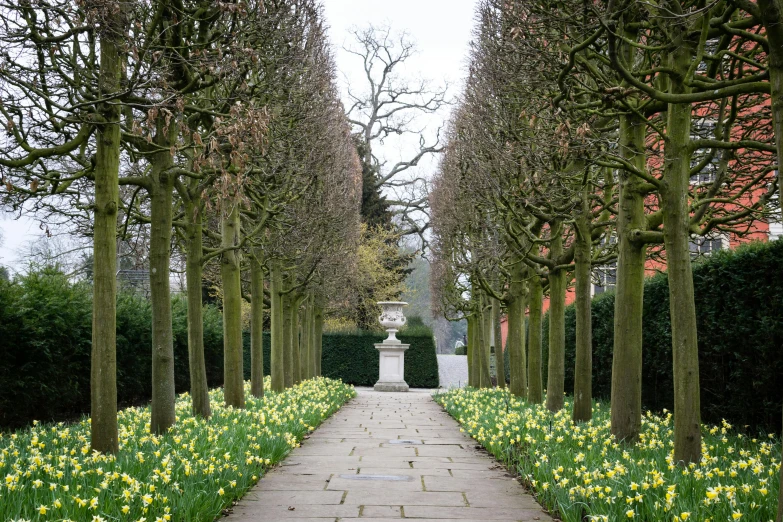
441 30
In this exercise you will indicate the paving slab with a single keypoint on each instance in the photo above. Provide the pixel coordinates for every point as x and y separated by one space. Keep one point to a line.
388 456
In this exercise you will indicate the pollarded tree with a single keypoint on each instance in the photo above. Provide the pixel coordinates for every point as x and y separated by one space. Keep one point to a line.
59 101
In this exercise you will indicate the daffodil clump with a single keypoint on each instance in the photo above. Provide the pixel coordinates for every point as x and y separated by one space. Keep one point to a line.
581 472
189 474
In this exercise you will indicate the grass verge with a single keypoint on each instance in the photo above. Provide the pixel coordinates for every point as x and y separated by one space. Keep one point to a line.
580 472
192 473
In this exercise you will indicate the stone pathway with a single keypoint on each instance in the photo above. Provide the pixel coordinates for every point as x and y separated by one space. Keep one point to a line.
453 371
388 456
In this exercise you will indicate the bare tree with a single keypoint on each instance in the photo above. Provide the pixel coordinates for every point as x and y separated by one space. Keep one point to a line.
389 105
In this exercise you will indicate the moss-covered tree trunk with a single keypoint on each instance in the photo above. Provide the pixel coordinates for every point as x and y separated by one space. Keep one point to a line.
500 363
103 359
676 221
482 344
288 351
318 327
772 17
277 358
199 389
515 339
583 370
230 275
626 394
256 325
555 382
161 192
471 352
486 328
535 386
307 338
296 366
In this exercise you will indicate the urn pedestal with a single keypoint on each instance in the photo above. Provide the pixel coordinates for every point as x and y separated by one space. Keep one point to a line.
391 369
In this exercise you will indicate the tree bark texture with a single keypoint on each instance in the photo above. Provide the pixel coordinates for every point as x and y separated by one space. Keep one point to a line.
485 380
535 386
288 351
676 221
500 363
277 361
161 191
472 372
199 389
296 355
772 18
103 359
626 395
233 373
555 383
583 371
256 326
319 334
515 339
307 339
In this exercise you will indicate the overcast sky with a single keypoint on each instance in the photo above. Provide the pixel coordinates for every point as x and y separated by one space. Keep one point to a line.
441 30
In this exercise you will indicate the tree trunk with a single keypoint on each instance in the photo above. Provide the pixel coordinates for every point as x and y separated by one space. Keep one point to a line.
626 396
500 363
515 340
472 371
535 387
103 359
307 338
319 335
277 361
276 335
233 373
199 389
772 18
256 325
676 221
161 192
296 355
288 350
583 371
488 333
779 517
555 383
483 332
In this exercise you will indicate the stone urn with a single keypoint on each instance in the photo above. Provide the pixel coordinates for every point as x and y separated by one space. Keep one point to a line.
391 369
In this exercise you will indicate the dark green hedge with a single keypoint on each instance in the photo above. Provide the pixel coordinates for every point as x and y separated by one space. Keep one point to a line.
353 358
45 343
739 312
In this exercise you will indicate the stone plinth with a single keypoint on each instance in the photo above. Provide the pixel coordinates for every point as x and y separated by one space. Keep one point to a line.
392 367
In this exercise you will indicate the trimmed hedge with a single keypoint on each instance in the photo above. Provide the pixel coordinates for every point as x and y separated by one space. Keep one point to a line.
353 358
739 313
45 345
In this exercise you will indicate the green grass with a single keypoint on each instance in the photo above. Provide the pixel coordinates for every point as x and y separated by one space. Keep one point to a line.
189 474
580 472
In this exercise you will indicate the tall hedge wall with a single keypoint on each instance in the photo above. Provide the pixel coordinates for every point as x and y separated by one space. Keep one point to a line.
739 312
353 358
45 343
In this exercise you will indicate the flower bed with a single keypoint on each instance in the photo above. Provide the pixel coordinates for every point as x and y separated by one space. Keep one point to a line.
190 474
580 471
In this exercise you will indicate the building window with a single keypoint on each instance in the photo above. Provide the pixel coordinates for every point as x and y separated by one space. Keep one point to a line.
604 278
710 48
704 246
704 128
